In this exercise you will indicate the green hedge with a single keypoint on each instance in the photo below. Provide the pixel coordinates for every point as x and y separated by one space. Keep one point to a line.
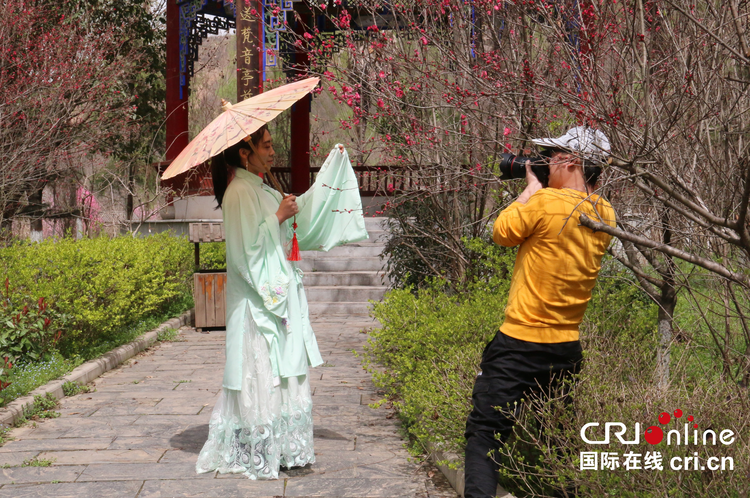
66 300
213 256
430 344
100 284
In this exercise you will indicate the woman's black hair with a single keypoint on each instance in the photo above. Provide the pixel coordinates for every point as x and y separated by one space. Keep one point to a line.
231 157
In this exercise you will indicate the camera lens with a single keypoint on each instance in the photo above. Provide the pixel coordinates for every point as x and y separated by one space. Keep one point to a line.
512 167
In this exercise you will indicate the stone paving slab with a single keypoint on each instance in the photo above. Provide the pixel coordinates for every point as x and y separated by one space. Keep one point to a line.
140 432
359 487
25 475
86 457
16 458
96 443
72 490
211 488
141 471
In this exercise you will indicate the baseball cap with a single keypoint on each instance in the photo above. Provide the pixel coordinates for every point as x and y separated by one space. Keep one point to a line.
589 143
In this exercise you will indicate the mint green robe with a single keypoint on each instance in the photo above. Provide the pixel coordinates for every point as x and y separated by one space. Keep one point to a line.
260 279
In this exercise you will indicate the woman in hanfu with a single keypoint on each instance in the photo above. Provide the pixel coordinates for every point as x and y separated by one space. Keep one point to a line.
262 419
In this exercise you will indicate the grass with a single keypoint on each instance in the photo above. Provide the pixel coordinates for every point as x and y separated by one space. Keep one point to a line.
43 407
4 438
24 378
73 388
168 335
37 462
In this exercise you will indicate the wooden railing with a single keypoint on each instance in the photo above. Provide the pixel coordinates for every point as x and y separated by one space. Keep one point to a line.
372 180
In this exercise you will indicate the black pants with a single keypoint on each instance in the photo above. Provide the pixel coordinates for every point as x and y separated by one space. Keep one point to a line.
511 369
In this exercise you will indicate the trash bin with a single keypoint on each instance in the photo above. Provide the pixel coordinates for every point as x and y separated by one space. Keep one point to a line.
209 289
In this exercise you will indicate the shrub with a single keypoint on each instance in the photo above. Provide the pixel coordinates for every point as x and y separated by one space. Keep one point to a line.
4 377
430 344
213 256
543 458
30 331
101 284
428 230
66 301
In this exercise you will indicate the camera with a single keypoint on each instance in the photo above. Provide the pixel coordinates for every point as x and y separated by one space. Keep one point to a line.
515 167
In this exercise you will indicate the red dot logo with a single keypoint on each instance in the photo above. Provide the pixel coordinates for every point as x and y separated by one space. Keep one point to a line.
678 413
654 435
664 418
690 418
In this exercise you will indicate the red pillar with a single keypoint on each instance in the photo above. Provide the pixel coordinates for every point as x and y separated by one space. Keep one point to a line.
177 107
300 126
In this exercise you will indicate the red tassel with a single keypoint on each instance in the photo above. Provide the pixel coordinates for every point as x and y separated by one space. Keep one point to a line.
294 254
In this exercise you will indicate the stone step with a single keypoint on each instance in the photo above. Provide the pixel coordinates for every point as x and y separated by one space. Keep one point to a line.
343 278
376 238
313 264
353 250
339 308
377 223
349 294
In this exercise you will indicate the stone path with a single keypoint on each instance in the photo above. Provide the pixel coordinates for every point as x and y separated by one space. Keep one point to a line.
139 433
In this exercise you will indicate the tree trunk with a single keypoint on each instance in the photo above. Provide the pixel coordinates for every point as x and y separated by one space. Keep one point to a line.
36 221
131 188
667 302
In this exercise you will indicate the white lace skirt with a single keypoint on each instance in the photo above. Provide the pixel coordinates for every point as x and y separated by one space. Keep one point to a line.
256 430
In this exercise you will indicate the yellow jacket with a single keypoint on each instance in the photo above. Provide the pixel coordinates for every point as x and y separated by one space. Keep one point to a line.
557 263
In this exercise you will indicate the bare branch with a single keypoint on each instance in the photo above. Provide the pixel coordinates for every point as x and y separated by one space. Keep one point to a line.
666 249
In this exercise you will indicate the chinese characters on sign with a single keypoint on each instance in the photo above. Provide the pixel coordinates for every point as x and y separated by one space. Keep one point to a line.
248 50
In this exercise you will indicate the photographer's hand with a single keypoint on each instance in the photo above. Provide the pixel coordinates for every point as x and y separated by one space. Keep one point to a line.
532 185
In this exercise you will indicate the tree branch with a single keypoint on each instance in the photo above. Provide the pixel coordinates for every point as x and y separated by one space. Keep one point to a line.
666 249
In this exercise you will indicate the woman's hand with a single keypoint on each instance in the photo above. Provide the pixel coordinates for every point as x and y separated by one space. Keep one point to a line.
287 208
341 148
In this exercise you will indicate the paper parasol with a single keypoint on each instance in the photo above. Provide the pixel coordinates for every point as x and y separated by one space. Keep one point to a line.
236 123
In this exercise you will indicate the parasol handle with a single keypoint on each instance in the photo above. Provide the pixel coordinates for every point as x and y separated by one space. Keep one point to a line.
275 182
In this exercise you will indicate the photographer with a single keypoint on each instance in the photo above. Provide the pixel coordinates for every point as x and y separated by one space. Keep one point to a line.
556 267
